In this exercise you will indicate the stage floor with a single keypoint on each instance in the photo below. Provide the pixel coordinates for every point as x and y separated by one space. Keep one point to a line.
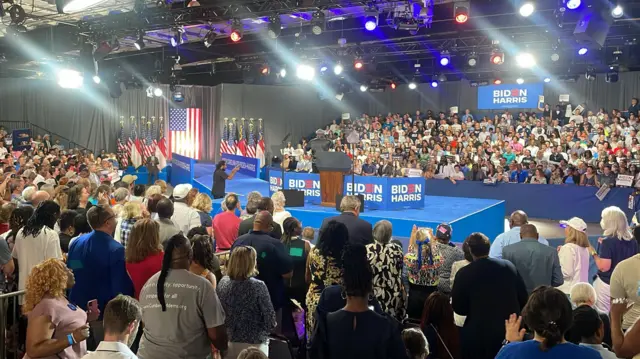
465 215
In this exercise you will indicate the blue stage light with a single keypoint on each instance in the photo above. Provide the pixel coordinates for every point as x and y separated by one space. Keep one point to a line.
573 4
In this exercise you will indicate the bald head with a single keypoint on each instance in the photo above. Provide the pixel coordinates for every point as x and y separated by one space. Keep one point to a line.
518 218
263 221
528 231
38 197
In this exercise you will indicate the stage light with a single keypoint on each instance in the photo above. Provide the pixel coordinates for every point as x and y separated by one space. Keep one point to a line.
236 30
590 74
177 39
617 12
96 79
519 80
371 18
283 73
434 84
612 75
412 85
275 27
157 92
461 13
445 58
472 59
318 22
338 69
305 72
497 82
364 88
527 9
358 64
583 51
525 60
497 57
139 43
69 79
323 68
209 38
393 85
265 70
547 79
76 5
555 57
442 78
573 4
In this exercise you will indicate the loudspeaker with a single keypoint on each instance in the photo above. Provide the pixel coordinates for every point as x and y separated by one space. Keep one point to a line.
339 199
593 26
293 197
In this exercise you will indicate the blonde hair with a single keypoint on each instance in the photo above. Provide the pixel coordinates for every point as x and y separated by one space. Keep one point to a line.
131 210
202 202
162 184
278 200
576 237
144 240
152 190
242 263
49 277
614 223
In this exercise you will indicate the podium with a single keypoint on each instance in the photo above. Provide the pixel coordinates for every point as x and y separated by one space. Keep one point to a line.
332 167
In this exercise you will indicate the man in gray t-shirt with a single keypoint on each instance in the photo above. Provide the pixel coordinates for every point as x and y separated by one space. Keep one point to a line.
192 307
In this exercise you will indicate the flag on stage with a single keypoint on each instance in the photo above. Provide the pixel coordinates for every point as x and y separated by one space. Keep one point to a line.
185 130
123 148
161 153
241 148
260 146
134 147
251 145
226 145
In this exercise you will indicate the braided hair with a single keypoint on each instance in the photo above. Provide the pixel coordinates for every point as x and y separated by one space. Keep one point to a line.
357 274
549 314
45 215
289 228
202 246
332 241
177 242
18 219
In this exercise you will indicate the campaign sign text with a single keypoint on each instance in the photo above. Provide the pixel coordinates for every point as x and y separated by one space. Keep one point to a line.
181 169
248 166
387 193
406 193
302 181
509 96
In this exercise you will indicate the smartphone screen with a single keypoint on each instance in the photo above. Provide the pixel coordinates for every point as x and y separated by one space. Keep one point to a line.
92 305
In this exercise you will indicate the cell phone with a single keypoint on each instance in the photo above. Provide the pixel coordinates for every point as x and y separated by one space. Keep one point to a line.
92 305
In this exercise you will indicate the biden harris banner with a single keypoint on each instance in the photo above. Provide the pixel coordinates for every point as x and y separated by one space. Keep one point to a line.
248 166
387 193
509 96
302 181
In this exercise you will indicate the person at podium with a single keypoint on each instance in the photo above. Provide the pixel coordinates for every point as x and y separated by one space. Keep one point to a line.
360 231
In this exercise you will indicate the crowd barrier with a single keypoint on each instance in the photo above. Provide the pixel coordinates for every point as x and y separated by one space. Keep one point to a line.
8 315
381 193
556 202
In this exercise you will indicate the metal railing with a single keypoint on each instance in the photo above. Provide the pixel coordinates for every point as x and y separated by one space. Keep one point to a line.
37 130
9 314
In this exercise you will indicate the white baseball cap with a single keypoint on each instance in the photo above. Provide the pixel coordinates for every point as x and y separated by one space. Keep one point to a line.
181 190
576 223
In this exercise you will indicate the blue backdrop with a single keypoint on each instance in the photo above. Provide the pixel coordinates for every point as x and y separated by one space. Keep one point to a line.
181 169
248 166
555 202
509 96
307 182
388 193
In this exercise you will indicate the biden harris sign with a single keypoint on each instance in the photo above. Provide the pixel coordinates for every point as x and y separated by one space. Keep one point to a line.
509 96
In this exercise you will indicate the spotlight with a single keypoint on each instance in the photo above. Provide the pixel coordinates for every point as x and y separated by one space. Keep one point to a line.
275 27
519 80
442 78
527 9
69 79
96 79
265 70
305 72
66 7
371 18
139 44
393 85
573 4
497 82
525 60
209 38
555 57
583 51
323 69
590 74
445 58
617 12
358 64
338 69
177 39
364 88
412 85
472 59
461 12
193 3
283 72
434 83
318 22
547 79
157 92
497 57
236 30
612 74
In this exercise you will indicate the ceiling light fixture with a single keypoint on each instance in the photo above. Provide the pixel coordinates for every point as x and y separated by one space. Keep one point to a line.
139 43
617 12
371 18
209 38
527 9
338 69
583 51
461 12
573 4
445 58
236 30
472 59
275 26
525 60
497 57
318 22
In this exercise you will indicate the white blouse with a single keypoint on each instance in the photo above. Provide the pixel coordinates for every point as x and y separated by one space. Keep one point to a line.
574 261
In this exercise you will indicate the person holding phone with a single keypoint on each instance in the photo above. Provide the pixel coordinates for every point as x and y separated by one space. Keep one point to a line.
220 178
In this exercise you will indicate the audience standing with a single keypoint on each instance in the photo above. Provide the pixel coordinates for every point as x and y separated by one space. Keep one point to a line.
448 253
360 231
202 204
204 263
166 226
583 294
65 223
184 216
421 264
226 224
143 255
264 204
298 250
279 213
574 254
516 220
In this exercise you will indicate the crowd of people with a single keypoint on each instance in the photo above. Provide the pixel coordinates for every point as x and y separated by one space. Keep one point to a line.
154 271
551 146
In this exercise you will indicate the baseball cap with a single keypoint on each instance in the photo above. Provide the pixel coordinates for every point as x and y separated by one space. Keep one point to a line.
443 231
576 223
129 179
181 190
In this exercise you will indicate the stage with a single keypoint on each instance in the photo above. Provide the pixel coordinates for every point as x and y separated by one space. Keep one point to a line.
465 215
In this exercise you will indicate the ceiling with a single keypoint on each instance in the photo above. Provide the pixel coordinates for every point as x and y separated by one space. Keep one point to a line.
389 55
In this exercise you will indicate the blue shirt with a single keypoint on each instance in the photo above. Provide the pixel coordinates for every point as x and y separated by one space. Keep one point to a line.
616 250
530 349
98 265
509 237
509 157
519 177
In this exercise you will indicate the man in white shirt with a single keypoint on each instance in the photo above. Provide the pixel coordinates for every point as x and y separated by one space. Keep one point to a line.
184 216
122 316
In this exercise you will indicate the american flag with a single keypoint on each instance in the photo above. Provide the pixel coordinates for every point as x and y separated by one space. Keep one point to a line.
251 145
227 143
260 147
148 146
134 147
123 148
185 130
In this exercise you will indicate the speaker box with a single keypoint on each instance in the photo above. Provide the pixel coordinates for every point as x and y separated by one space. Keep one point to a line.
339 199
593 27
293 197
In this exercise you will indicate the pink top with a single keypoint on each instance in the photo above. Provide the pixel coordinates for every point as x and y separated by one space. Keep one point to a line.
225 230
66 318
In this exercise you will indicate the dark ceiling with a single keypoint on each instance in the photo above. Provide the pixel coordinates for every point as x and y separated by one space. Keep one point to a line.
389 54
